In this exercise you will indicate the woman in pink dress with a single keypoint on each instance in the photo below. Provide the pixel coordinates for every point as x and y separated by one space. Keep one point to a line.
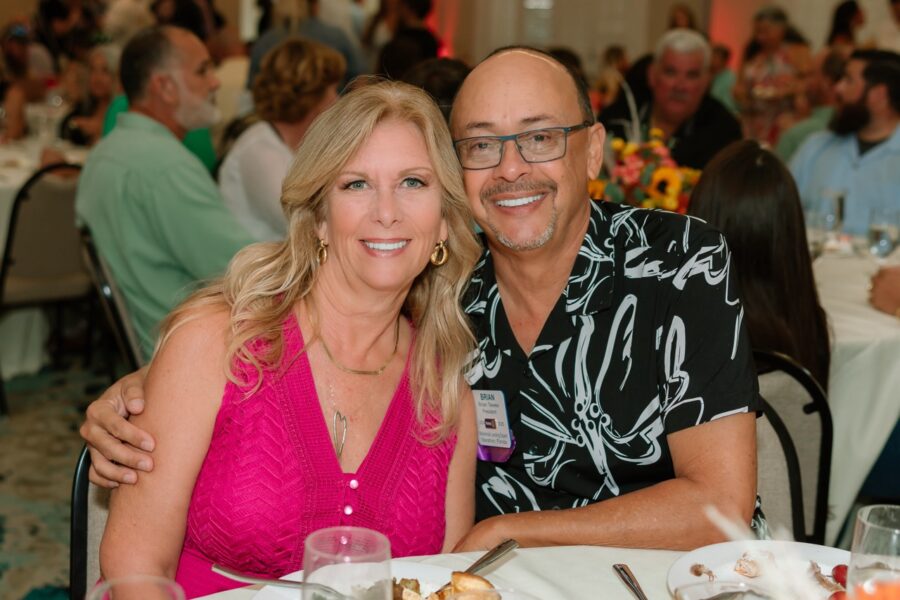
317 383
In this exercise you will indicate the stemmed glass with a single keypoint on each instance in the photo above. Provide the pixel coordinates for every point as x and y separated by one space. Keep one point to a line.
137 587
875 554
882 232
352 560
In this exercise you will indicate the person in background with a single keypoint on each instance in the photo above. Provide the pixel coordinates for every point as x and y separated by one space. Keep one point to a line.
682 17
301 18
612 73
297 80
887 36
441 78
884 292
858 156
772 77
723 78
412 41
695 124
748 194
84 124
152 208
821 96
848 17
340 352
20 84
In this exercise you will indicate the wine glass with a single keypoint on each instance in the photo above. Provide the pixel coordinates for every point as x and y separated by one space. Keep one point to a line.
816 231
497 594
137 587
875 553
719 589
352 560
882 232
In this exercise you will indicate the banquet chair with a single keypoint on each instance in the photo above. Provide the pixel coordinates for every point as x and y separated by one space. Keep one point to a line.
796 406
112 302
40 264
90 508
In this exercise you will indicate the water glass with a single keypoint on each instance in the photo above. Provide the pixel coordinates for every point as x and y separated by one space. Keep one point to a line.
817 230
875 553
352 560
882 232
497 594
720 589
137 587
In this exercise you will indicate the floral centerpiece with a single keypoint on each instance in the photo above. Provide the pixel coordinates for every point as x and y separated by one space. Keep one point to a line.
645 175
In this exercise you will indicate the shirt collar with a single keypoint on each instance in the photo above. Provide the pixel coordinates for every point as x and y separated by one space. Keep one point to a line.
136 121
591 281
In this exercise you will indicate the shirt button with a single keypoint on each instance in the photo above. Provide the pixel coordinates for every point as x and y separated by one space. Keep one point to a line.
348 510
354 484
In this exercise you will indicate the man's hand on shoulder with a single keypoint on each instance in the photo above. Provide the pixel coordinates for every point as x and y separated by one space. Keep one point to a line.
118 448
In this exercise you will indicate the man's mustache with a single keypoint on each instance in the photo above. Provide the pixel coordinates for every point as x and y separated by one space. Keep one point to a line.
518 186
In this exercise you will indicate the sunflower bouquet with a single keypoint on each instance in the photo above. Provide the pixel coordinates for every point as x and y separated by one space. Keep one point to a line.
645 175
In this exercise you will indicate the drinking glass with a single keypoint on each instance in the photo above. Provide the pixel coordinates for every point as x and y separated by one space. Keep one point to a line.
816 231
720 589
882 232
137 587
498 594
875 553
352 560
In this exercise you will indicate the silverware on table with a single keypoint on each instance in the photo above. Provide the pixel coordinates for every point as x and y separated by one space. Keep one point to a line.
327 593
630 581
488 558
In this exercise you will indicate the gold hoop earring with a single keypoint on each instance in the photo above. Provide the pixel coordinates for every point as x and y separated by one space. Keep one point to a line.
322 252
440 255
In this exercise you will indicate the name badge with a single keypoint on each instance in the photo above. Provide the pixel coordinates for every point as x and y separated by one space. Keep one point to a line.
495 438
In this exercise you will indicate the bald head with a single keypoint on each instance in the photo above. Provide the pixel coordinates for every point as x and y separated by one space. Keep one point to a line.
519 69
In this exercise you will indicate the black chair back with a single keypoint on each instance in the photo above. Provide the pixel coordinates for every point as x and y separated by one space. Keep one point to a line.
797 407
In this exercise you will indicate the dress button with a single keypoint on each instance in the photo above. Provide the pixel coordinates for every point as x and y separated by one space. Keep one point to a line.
348 510
354 484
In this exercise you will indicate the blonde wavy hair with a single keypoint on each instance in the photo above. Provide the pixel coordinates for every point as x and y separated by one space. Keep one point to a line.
265 281
293 78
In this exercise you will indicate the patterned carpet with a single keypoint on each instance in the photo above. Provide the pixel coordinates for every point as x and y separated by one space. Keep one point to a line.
39 446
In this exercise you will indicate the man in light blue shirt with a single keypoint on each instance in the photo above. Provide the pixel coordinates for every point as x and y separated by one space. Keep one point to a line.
859 158
152 207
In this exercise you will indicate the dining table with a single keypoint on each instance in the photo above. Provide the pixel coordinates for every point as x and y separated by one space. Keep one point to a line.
552 573
864 378
23 332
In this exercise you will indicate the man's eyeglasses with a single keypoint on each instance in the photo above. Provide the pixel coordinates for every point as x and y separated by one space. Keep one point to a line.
535 146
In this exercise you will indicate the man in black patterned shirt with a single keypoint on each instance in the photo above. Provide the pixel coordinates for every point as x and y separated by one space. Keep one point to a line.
611 336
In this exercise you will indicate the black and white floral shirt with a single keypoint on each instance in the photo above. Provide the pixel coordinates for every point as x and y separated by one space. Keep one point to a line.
645 340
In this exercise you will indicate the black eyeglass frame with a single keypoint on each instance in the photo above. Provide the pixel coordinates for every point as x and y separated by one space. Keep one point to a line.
515 138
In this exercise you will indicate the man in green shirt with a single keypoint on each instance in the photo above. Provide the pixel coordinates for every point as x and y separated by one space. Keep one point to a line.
153 209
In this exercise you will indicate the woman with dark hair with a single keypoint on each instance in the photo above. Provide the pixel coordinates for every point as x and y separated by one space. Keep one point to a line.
848 17
748 194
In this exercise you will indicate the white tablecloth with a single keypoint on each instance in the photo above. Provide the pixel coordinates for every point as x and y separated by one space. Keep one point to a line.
24 331
561 573
864 382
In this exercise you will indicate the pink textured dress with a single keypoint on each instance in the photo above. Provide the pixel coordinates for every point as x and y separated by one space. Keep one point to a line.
271 477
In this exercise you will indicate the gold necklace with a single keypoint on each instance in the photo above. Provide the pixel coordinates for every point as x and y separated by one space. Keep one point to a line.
352 371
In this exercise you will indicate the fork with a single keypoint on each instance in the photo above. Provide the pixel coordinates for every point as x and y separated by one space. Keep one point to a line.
630 581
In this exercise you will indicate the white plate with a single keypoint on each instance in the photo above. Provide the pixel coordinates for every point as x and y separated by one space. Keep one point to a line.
720 559
431 577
